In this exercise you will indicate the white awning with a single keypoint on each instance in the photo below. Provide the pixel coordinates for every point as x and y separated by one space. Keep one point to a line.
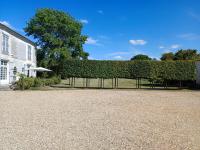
40 69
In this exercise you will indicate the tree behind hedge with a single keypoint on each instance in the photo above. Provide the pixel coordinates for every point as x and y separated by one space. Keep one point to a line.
188 54
141 57
167 56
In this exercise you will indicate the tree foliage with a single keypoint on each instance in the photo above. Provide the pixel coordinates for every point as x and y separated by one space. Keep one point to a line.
141 57
58 35
167 56
188 54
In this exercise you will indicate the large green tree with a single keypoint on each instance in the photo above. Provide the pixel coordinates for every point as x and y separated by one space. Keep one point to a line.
58 36
141 57
189 54
167 56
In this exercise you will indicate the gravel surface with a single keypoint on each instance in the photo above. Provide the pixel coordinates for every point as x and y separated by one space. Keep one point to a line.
99 120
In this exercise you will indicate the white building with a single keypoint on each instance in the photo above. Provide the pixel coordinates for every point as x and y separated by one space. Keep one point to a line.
17 54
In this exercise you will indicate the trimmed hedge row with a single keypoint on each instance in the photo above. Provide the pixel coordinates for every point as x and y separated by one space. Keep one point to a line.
95 69
165 70
174 70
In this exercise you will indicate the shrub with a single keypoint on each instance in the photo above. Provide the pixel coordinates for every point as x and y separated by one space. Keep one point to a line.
26 82
38 82
56 80
51 81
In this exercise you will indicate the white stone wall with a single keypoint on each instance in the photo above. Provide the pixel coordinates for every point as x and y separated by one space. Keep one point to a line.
198 72
18 55
18 48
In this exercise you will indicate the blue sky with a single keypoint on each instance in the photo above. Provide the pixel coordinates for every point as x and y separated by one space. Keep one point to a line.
119 29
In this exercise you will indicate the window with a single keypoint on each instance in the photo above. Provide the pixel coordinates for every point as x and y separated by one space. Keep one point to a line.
29 52
5 44
3 70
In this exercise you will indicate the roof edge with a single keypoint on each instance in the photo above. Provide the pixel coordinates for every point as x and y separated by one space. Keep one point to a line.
16 34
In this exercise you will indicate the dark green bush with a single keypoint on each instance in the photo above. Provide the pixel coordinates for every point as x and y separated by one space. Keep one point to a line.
38 82
27 83
56 80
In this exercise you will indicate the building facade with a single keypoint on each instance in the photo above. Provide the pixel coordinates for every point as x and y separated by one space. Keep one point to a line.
17 55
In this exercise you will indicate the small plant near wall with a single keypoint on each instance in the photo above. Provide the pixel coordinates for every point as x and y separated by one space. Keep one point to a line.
26 83
21 83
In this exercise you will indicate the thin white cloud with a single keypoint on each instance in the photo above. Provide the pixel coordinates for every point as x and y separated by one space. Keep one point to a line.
127 55
91 41
194 15
100 12
172 48
124 55
118 57
84 21
189 36
119 53
175 46
167 50
161 47
137 42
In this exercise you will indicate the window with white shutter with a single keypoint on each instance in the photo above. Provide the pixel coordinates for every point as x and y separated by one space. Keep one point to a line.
29 52
5 44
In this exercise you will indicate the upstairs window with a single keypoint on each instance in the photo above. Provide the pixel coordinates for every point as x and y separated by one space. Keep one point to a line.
5 44
29 52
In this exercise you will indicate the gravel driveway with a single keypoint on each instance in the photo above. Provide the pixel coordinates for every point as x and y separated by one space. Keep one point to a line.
99 120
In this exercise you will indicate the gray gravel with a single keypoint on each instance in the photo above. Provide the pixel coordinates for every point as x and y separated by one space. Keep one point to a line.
99 120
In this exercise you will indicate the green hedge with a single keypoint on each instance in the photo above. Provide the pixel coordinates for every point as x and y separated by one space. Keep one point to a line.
174 70
166 70
95 69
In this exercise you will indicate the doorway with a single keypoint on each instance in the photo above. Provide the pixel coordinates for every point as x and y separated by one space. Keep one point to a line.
4 72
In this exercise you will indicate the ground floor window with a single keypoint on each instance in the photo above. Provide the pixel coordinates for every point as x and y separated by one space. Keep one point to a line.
3 70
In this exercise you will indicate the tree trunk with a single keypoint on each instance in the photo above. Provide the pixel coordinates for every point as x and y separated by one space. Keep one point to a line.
112 82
